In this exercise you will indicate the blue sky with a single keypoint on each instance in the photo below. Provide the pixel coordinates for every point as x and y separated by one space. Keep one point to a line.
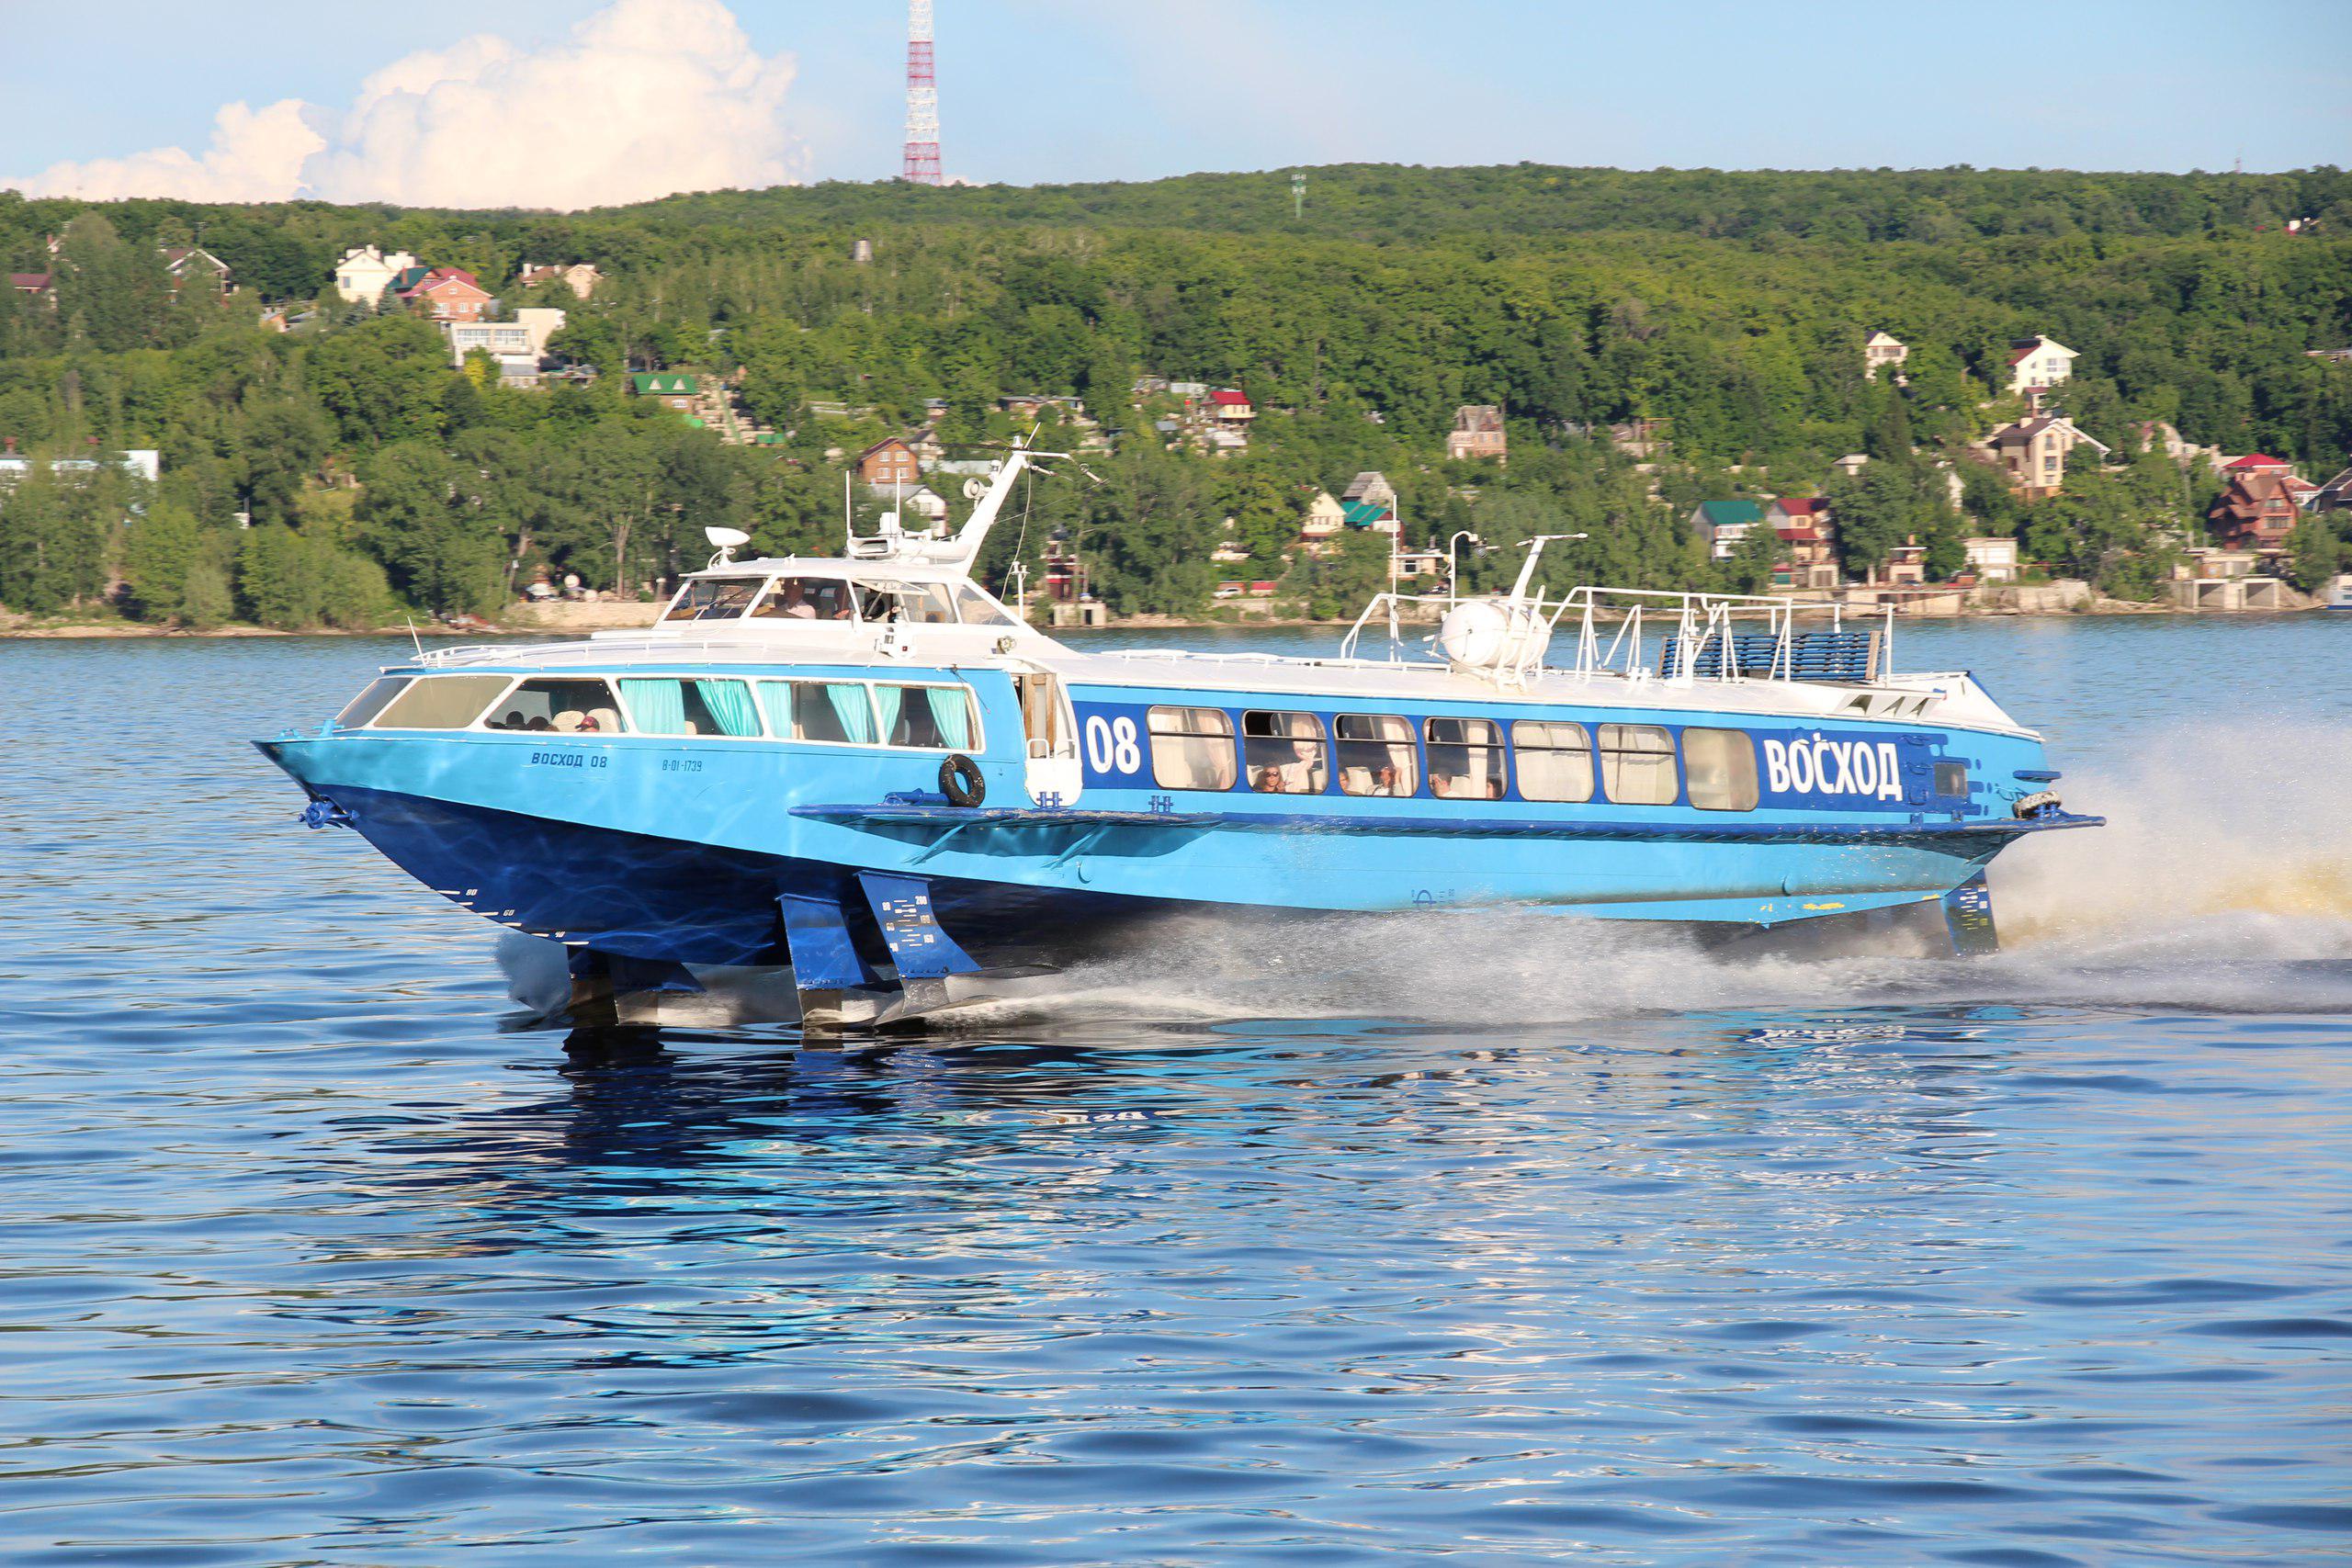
1047 90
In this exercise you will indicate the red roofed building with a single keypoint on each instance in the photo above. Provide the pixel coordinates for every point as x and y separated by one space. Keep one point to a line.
1231 407
446 294
36 284
2260 504
1802 523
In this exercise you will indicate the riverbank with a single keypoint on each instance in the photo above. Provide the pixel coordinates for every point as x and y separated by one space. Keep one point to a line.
575 619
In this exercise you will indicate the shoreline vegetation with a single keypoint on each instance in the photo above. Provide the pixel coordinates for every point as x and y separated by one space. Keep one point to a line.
203 429
627 617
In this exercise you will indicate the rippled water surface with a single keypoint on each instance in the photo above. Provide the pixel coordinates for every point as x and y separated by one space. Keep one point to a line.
1503 1242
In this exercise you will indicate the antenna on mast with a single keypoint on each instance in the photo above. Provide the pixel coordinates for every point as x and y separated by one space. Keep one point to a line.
921 164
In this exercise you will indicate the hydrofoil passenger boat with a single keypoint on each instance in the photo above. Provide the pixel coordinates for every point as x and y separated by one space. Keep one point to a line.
871 771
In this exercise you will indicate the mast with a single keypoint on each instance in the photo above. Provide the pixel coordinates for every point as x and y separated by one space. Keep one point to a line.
922 164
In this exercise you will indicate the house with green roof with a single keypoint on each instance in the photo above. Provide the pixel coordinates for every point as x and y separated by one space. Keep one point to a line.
1723 524
1379 516
673 389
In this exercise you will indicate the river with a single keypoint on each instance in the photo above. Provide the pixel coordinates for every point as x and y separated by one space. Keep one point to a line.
1560 1241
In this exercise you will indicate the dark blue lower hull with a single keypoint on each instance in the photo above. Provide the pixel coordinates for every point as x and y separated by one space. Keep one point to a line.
673 902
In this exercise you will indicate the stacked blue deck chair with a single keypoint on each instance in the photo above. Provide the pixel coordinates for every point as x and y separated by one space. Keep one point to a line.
1849 656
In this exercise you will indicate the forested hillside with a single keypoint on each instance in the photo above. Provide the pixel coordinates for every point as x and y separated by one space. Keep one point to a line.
321 474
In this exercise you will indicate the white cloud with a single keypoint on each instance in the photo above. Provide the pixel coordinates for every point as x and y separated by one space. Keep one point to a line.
256 155
645 98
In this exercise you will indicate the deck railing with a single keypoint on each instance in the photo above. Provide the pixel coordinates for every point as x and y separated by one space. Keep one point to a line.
1720 637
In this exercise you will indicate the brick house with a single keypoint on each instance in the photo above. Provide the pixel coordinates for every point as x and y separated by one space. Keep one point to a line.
1477 432
2262 499
889 462
445 293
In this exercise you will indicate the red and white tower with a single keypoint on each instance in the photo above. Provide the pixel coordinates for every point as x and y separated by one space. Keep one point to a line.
922 99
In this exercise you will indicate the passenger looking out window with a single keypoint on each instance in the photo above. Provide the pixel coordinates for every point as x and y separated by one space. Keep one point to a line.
1376 754
805 599
1284 754
1466 758
1637 764
1554 760
1191 748
566 707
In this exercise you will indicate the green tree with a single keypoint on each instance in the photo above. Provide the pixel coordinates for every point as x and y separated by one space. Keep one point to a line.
2314 554
382 381
160 549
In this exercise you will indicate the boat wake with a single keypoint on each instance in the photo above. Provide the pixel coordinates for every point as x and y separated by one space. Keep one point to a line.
2189 899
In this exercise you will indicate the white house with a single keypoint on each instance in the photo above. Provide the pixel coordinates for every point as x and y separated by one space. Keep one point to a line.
518 345
362 275
1992 559
1882 349
139 462
2037 364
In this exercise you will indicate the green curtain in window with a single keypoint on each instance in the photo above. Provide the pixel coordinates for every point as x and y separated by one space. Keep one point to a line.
659 708
775 700
889 699
856 715
952 714
730 704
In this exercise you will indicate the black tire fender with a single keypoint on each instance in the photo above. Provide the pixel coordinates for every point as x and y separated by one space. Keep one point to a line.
960 781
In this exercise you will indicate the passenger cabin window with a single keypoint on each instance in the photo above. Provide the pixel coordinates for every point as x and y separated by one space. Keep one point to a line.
1466 758
1554 760
1637 764
1283 753
1719 767
563 707
664 705
916 603
840 713
937 718
441 702
979 609
1192 748
1377 755
805 599
713 599
370 702
1952 778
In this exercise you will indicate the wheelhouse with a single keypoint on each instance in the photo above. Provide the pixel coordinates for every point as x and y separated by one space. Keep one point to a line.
786 593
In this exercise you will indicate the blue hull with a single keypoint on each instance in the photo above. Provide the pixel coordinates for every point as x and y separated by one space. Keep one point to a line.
671 901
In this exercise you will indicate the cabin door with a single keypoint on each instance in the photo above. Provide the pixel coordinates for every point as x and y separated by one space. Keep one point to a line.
1054 774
